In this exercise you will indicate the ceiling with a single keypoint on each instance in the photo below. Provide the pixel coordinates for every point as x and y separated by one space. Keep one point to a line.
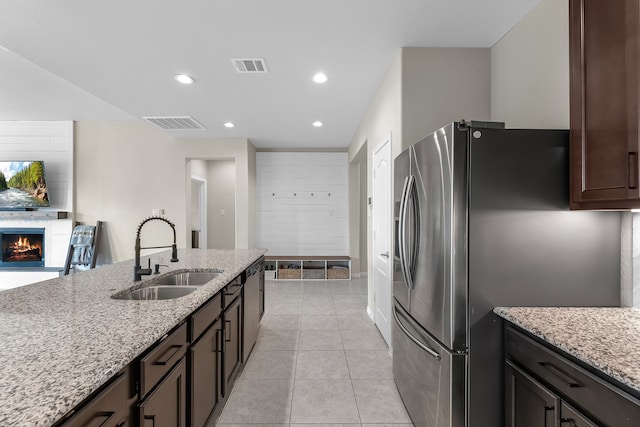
115 60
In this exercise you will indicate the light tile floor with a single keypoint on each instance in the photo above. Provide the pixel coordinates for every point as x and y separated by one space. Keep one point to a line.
319 360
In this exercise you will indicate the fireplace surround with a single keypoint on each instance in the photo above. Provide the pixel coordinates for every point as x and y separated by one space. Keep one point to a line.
22 247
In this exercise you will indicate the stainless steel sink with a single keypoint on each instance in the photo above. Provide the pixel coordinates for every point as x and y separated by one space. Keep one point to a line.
187 278
158 292
170 286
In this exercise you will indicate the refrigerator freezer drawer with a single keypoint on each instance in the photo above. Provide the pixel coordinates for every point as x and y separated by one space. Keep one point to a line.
430 379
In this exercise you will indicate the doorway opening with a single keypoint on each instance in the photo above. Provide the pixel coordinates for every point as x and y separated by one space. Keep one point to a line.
198 213
211 204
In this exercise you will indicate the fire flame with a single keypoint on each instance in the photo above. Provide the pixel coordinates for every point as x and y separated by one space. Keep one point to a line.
22 244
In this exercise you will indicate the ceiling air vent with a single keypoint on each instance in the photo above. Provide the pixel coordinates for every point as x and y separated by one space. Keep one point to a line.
249 65
174 122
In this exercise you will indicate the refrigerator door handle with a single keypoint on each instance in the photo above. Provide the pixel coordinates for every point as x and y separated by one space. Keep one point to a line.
401 230
415 340
412 193
406 272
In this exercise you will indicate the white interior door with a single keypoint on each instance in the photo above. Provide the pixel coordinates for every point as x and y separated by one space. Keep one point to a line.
382 238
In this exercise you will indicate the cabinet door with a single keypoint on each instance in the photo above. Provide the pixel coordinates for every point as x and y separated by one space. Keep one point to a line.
604 96
251 301
166 405
527 402
571 417
205 357
232 330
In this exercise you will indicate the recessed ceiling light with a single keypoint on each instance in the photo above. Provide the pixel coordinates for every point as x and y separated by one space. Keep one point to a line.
317 124
320 78
185 79
229 125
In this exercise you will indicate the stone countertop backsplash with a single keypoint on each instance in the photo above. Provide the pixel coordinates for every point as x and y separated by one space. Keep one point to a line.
605 338
63 338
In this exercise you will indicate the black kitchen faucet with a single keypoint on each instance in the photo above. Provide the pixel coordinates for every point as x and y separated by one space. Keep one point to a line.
138 271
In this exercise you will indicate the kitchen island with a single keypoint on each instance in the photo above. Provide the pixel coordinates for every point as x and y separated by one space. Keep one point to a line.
580 363
62 339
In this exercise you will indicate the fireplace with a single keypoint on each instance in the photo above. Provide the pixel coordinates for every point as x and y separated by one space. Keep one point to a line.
22 247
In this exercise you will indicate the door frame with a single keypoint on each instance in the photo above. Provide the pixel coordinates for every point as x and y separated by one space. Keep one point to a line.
202 204
385 148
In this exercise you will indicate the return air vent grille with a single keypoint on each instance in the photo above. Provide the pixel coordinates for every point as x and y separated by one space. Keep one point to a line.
174 122
249 65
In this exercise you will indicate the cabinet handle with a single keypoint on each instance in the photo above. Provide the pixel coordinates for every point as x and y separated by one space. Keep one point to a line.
560 374
225 331
100 419
232 286
633 170
151 418
217 346
549 415
175 348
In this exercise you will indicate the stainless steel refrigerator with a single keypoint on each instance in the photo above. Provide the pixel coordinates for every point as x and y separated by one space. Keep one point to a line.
482 220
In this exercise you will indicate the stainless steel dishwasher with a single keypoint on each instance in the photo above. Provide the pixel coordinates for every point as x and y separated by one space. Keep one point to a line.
252 307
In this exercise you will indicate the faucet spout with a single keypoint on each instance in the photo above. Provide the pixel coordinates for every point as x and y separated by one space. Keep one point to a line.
138 272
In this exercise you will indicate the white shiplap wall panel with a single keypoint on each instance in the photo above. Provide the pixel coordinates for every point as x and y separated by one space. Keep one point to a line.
302 203
51 142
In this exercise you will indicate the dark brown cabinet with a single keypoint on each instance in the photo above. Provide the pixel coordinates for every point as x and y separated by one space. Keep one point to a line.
159 360
107 409
166 405
539 383
570 417
604 47
205 361
163 382
205 367
251 309
529 403
232 343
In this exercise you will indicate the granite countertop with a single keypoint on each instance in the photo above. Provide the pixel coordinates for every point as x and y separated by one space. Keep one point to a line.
605 338
63 338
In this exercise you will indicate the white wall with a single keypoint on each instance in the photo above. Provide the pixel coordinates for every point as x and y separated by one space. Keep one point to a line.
51 142
126 169
221 201
383 116
442 85
199 169
530 70
302 203
405 105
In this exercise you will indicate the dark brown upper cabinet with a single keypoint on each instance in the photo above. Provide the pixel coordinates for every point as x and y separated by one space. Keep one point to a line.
604 50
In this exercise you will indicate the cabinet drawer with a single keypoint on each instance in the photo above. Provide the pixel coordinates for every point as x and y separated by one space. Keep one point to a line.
232 290
162 358
205 316
107 409
602 400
